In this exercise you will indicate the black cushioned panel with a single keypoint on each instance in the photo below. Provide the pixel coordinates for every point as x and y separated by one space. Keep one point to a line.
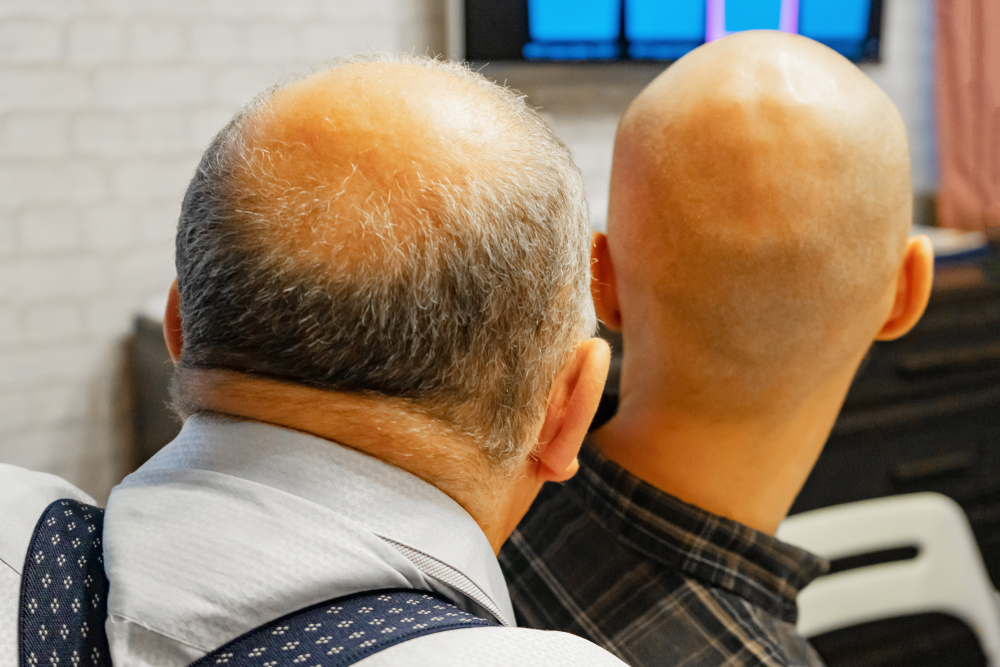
920 640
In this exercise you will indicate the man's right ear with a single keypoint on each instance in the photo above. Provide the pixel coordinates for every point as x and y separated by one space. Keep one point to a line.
603 286
573 400
173 334
913 289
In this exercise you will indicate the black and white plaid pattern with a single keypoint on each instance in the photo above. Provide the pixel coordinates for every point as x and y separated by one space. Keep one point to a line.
655 580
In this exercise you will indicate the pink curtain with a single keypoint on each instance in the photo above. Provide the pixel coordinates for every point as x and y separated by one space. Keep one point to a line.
968 109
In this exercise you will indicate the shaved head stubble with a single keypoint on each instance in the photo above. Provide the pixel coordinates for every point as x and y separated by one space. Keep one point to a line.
760 205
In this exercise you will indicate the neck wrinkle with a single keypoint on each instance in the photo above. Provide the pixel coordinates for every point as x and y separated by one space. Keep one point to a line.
384 428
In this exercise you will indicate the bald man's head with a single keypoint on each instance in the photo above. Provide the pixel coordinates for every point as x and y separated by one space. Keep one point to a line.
760 206
391 226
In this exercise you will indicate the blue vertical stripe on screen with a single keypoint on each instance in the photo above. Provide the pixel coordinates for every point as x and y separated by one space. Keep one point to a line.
752 15
656 20
574 20
834 19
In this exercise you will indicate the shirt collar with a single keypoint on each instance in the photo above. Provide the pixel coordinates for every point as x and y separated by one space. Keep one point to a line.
724 553
411 515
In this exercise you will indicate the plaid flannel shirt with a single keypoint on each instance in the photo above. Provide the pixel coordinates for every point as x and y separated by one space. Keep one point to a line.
655 580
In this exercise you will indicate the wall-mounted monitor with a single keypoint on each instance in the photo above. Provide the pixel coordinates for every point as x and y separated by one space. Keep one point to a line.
650 30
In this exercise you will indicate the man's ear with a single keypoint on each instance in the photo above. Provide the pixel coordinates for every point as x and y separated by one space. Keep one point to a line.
172 332
913 289
603 287
572 403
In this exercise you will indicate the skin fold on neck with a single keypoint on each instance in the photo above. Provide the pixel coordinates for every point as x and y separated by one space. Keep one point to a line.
389 430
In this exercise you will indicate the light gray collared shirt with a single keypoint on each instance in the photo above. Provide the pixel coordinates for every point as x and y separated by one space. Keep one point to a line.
236 523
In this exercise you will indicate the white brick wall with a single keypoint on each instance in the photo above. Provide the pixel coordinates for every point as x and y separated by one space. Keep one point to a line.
105 107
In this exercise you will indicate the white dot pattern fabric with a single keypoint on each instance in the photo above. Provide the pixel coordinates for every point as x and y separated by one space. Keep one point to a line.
340 633
64 591
449 576
64 565
24 495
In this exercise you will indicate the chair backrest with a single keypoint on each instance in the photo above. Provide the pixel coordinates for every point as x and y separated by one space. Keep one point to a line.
946 575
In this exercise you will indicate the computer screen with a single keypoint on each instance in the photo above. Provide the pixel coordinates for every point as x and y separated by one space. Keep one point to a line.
657 30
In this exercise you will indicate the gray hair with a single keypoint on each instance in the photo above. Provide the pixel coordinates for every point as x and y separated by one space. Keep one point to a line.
467 320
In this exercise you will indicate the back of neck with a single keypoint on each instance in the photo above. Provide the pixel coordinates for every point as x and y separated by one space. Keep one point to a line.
747 470
385 428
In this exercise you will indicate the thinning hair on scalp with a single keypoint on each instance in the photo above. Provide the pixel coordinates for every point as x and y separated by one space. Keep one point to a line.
466 317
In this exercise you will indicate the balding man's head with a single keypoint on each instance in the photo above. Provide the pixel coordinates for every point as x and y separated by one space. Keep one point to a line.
759 210
389 139
392 226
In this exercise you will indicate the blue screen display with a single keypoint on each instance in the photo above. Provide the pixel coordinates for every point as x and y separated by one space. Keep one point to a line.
663 30
667 29
574 20
752 15
844 19
655 20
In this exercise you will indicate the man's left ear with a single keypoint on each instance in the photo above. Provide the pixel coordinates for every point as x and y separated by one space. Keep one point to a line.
573 401
913 289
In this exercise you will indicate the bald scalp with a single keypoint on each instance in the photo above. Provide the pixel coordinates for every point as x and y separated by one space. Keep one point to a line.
365 143
760 205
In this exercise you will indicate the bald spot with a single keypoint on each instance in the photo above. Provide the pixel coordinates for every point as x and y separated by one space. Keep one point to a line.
760 203
359 157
